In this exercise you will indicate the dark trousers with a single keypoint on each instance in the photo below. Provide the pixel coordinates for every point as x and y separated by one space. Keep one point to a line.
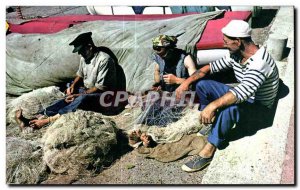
88 102
246 113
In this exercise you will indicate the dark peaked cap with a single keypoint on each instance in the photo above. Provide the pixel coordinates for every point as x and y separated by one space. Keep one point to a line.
81 40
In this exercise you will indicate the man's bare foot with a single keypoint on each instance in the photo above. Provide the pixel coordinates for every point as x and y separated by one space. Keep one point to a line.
147 140
208 151
37 124
134 137
23 122
137 136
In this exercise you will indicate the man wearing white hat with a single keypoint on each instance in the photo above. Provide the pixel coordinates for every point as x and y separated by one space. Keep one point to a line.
224 106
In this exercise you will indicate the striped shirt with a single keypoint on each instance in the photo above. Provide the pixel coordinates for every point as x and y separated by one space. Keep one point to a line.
258 77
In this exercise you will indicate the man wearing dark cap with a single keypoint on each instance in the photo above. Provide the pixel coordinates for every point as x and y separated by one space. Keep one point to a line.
97 72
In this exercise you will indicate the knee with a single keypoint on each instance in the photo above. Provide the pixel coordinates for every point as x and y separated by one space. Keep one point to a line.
230 112
80 98
232 108
203 84
200 84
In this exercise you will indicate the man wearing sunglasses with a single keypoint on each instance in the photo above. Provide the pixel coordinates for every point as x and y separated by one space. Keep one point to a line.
248 103
172 65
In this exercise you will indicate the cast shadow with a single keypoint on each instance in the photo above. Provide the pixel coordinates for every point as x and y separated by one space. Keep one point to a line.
255 124
120 72
265 20
121 83
117 151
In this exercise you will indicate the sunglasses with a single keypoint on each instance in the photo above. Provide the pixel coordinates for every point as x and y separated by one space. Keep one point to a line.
157 48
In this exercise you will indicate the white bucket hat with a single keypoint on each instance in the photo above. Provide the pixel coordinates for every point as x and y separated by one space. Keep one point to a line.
237 28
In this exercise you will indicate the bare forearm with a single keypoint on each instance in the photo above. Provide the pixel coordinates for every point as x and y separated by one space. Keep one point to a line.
76 81
156 78
92 90
156 74
200 73
180 80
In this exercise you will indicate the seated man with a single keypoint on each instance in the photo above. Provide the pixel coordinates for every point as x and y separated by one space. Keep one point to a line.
223 106
172 67
97 72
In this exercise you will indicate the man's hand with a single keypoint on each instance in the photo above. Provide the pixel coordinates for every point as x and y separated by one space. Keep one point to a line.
182 88
170 79
156 88
93 90
71 98
207 115
70 90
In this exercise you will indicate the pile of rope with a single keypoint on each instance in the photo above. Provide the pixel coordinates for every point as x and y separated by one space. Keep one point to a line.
78 141
31 103
24 163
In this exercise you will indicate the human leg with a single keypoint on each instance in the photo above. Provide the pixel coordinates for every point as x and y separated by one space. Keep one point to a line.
54 108
52 113
88 102
209 90
225 120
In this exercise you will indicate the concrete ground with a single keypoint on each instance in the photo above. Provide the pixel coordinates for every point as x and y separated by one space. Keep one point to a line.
29 12
266 157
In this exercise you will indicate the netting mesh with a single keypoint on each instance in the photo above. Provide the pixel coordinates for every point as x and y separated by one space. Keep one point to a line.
161 111
160 116
24 164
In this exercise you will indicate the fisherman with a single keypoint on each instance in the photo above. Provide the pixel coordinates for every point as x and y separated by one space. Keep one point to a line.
172 65
223 106
97 73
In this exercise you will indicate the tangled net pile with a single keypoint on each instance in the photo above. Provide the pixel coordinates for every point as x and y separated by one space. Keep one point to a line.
160 113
